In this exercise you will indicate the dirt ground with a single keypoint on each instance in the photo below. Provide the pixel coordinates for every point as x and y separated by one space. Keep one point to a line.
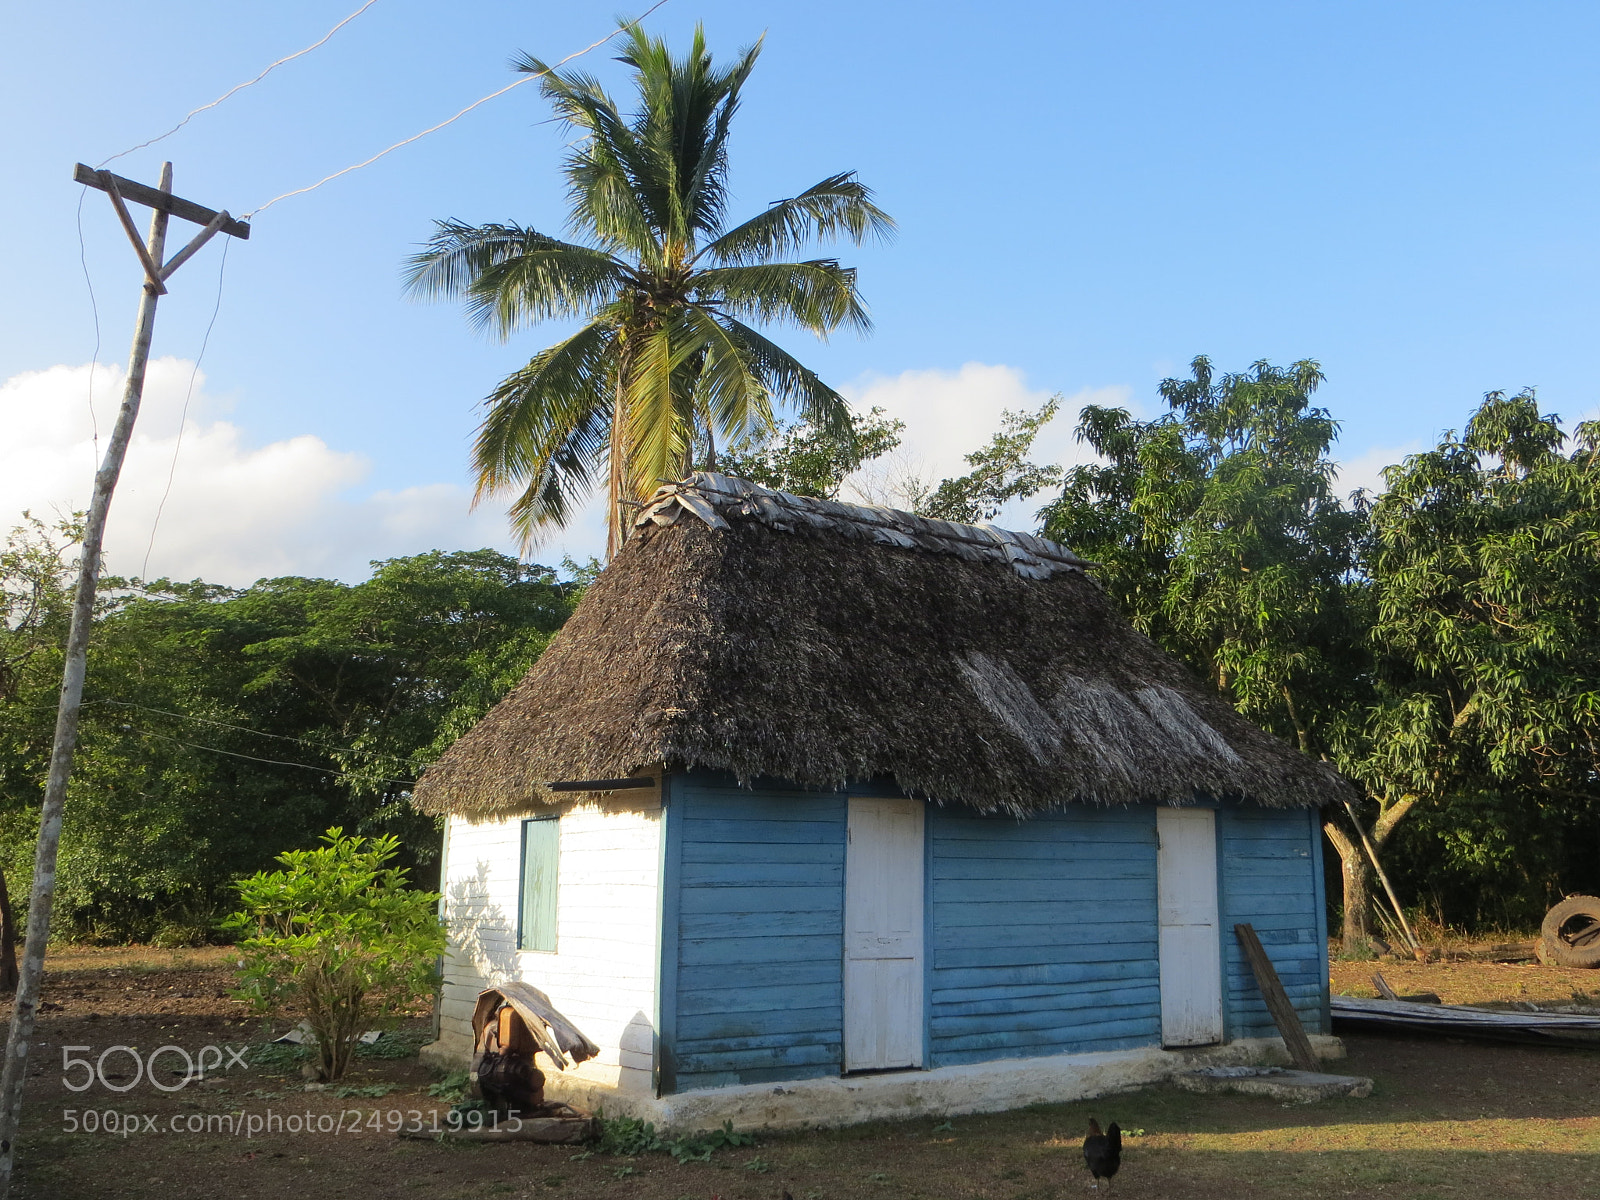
1491 984
1446 1119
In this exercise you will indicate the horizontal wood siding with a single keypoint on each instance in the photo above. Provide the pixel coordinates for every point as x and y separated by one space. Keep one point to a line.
1269 878
1042 934
602 972
760 934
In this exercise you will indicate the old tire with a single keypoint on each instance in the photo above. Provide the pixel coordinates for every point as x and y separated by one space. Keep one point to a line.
1575 920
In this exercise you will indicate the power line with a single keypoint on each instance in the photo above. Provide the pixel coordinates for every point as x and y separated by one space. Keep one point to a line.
282 737
247 83
476 103
94 307
276 762
183 418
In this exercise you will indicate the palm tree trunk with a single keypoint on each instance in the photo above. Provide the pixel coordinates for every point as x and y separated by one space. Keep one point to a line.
617 474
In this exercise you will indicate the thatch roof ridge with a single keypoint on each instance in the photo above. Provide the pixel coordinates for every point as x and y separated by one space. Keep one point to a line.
769 635
715 498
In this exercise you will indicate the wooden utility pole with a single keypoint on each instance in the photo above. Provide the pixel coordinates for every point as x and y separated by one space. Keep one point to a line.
157 270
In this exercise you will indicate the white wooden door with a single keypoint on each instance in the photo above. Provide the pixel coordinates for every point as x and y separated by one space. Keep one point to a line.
883 935
1191 964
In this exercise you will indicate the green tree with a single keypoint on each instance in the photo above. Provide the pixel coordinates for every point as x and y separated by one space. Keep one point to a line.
1218 532
811 460
663 285
225 724
1486 640
338 938
36 581
1000 472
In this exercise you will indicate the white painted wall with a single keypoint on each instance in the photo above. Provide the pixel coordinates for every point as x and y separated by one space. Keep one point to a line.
602 975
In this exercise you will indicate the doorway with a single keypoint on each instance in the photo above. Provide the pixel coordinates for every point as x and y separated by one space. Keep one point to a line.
883 952
1191 953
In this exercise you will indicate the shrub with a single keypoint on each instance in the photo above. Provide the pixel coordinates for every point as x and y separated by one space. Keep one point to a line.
337 938
630 1136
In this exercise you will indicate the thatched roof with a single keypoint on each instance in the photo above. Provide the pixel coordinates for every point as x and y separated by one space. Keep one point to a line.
780 637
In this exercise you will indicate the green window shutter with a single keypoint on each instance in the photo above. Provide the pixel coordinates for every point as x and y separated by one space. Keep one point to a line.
540 850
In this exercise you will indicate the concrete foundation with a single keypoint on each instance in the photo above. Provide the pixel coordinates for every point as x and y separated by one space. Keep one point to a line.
945 1092
1296 1087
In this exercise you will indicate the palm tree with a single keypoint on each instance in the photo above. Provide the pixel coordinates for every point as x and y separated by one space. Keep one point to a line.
665 361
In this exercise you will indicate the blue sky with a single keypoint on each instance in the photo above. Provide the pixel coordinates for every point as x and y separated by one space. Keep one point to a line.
1089 195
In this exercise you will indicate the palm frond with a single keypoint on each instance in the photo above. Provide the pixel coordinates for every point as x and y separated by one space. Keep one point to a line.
658 391
819 295
458 253
703 159
546 425
512 275
789 381
556 281
839 206
732 400
605 173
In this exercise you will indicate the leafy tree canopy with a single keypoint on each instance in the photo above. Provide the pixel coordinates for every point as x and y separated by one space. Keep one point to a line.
224 725
1218 532
811 460
1485 626
1000 472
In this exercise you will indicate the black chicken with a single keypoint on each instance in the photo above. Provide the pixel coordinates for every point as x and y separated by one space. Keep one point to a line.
1102 1152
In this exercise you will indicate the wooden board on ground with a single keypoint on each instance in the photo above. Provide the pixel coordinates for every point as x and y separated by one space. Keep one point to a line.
1461 1020
1283 1013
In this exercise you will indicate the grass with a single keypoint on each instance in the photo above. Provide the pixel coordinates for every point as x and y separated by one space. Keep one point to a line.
1469 982
139 960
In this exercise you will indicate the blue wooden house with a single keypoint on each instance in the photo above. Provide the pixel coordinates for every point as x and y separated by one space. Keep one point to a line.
816 812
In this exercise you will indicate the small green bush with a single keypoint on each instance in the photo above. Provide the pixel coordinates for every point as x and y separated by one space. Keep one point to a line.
338 939
452 1087
280 1058
630 1136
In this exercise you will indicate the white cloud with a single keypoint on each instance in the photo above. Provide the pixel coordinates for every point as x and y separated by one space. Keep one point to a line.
236 512
1365 470
949 414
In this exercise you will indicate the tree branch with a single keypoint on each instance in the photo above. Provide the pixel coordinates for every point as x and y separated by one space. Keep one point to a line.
1391 815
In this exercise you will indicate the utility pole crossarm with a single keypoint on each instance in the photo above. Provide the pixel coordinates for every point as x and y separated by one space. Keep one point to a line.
177 206
152 268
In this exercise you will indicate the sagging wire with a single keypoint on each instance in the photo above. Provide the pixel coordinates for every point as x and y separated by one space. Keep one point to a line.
183 418
94 307
282 737
275 762
451 120
240 87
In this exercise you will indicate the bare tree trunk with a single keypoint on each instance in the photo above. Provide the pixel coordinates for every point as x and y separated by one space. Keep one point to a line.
1357 875
1358 863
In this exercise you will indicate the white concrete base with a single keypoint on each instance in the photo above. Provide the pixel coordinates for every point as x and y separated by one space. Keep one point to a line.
945 1092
